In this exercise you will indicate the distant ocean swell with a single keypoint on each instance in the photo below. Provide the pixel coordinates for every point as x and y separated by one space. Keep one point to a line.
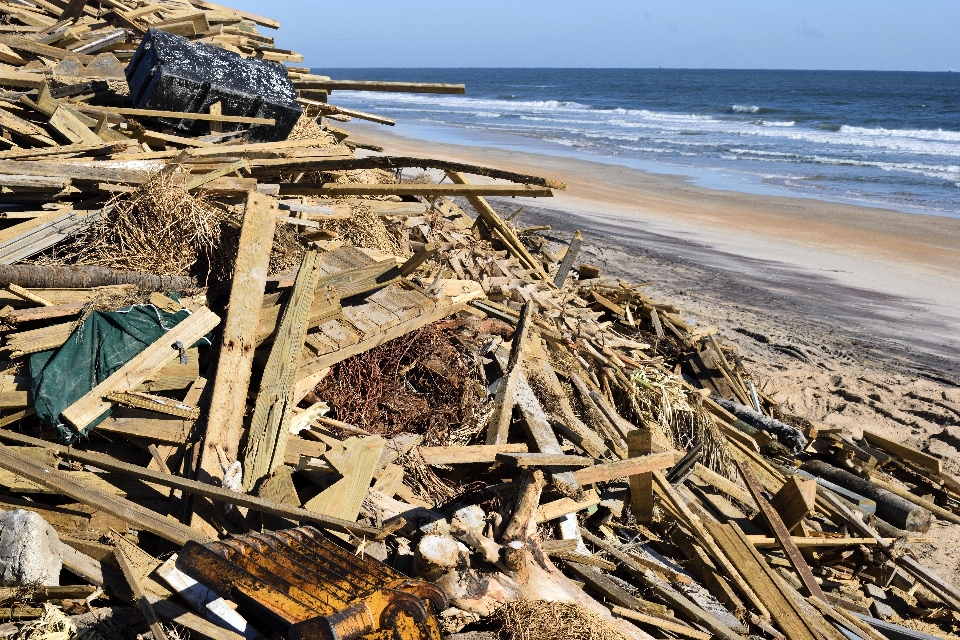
896 144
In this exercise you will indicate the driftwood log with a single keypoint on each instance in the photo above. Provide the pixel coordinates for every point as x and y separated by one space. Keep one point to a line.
790 437
31 276
892 508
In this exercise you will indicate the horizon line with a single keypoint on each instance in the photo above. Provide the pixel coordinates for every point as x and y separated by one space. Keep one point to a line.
652 69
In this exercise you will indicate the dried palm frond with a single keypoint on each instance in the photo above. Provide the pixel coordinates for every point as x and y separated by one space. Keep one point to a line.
660 398
545 620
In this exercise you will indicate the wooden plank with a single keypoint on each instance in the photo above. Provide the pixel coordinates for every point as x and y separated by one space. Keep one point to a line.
412 189
673 598
756 571
661 623
195 487
139 596
92 405
455 296
922 460
544 460
780 531
468 454
374 85
269 426
72 129
640 443
56 53
357 462
154 113
762 542
498 425
559 508
235 363
699 529
795 500
625 468
139 517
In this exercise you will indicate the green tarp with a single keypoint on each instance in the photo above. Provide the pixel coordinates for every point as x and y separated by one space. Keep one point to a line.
103 343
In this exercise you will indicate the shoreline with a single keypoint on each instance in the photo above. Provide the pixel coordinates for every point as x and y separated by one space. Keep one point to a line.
880 274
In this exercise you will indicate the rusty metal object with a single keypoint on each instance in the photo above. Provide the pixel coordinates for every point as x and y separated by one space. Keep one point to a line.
314 589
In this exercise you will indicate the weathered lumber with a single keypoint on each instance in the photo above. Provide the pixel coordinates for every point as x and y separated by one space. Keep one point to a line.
497 225
235 362
544 459
661 623
762 542
780 531
701 565
572 252
498 425
153 113
640 443
413 189
625 468
468 454
269 426
795 500
542 435
23 44
357 462
892 508
92 405
398 162
674 599
939 587
756 570
699 529
195 487
139 595
138 516
559 508
920 459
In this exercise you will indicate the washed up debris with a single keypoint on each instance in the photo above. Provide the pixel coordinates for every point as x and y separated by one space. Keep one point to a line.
253 384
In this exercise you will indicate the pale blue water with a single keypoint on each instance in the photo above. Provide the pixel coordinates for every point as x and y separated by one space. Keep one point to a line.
889 139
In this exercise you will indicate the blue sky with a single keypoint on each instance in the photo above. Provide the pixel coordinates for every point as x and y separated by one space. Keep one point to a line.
919 35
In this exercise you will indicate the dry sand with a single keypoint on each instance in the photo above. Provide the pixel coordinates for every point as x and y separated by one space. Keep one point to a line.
848 316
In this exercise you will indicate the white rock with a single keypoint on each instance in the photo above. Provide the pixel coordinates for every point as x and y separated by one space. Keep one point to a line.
29 550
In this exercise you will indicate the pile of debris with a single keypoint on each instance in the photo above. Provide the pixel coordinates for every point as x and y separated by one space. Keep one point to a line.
256 384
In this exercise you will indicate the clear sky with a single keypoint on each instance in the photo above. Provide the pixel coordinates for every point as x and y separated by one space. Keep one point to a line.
918 35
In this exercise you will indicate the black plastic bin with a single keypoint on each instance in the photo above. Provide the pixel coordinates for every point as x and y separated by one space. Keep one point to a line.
170 73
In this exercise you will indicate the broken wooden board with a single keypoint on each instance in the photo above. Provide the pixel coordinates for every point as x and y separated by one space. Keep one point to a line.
454 296
92 405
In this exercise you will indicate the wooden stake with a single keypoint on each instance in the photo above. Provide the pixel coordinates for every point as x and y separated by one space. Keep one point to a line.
640 443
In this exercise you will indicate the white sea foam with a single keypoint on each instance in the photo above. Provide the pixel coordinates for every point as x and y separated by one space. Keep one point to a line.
739 108
776 123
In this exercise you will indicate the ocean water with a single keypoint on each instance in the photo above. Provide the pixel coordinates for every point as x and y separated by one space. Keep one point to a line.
889 139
